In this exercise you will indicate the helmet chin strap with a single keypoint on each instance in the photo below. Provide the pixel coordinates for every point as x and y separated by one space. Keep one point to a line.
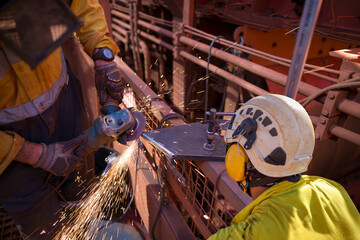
258 179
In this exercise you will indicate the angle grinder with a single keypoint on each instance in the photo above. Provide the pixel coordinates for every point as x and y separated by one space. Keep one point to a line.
118 124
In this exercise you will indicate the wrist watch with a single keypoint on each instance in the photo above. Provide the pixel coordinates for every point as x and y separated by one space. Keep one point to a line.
104 53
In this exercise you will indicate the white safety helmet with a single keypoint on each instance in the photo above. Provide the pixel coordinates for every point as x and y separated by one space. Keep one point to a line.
276 133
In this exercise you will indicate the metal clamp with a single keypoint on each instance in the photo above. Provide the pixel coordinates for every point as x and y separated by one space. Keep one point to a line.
209 145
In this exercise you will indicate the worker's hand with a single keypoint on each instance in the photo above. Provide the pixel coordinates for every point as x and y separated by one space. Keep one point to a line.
59 158
109 83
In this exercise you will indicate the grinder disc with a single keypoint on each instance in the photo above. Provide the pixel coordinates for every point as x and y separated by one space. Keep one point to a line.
139 128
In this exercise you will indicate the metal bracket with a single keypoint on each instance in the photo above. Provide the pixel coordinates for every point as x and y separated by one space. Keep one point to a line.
330 105
321 132
329 114
178 46
209 145
247 128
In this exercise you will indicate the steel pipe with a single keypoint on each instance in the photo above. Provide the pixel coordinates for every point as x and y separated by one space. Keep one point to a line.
142 23
349 107
345 134
121 23
228 76
250 50
161 63
222 113
302 45
147 60
156 29
304 88
134 39
119 29
118 36
157 40
120 15
270 57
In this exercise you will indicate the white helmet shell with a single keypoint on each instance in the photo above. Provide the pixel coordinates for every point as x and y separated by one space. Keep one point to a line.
284 137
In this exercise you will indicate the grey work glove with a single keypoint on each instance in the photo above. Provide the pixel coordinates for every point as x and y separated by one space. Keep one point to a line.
109 84
59 158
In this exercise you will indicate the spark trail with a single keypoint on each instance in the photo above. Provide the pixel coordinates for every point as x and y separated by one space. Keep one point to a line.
103 200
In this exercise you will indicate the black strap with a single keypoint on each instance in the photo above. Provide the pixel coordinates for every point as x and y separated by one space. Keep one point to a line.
259 179
270 181
170 116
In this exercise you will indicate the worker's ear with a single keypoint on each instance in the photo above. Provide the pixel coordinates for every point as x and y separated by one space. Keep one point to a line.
235 162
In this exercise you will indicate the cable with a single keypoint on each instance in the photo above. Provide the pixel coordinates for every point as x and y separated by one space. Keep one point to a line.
207 74
270 57
354 82
170 116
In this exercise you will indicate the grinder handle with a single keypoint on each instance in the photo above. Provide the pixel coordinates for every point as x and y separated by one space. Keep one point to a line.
108 109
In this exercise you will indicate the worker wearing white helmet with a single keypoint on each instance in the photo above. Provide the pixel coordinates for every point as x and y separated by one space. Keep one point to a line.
270 142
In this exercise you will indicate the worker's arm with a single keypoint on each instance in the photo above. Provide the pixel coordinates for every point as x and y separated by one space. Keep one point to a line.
56 158
94 35
11 143
94 32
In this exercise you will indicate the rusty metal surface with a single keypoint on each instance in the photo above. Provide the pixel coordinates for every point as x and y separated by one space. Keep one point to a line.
185 142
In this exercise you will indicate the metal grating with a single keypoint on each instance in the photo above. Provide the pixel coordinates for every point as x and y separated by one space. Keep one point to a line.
8 230
212 208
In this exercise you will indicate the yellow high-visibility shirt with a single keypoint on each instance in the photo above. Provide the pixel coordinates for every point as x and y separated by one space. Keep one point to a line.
27 92
313 208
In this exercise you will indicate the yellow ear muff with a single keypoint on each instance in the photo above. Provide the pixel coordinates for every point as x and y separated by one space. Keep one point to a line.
235 160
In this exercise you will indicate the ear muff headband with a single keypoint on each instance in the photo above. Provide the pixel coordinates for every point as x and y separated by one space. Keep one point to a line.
235 161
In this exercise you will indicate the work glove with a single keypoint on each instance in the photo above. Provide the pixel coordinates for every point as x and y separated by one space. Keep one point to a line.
59 158
109 84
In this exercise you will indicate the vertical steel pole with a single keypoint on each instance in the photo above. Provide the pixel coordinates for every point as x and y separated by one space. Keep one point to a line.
303 40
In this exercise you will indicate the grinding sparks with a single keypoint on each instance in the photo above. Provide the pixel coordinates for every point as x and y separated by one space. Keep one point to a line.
104 200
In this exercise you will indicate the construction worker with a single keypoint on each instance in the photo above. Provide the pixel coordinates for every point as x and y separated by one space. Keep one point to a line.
270 143
42 114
